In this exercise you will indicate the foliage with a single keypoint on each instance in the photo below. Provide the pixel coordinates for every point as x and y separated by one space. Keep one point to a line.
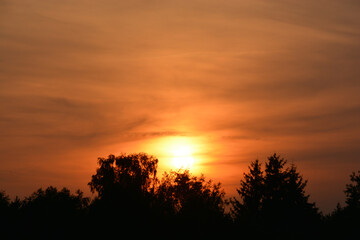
4 207
345 221
46 212
52 202
251 189
125 186
196 204
274 200
352 191
130 199
4 200
192 196
134 172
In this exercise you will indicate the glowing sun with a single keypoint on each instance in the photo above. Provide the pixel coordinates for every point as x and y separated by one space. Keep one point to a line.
178 152
182 156
181 151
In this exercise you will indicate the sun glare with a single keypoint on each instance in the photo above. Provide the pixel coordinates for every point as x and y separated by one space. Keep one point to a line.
182 156
178 152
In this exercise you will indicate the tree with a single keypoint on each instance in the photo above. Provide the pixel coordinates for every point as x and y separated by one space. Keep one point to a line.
135 172
285 204
53 203
275 201
125 186
345 221
197 204
352 192
4 201
50 211
4 208
247 210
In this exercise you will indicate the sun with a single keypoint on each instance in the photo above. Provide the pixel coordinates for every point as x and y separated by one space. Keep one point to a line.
178 152
181 152
182 156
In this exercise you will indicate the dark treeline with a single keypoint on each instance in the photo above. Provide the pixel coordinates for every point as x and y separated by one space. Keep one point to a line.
131 201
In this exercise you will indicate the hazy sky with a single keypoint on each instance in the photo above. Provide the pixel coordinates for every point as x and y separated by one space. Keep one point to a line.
239 80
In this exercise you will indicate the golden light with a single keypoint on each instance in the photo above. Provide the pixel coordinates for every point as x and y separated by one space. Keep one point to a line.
176 152
179 153
182 155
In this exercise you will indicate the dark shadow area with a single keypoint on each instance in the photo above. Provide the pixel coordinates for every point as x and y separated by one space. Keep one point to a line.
131 201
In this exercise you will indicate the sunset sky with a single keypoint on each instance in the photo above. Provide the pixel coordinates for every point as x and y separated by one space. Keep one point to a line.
221 82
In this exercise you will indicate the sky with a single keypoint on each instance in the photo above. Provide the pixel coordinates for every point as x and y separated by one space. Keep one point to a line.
227 82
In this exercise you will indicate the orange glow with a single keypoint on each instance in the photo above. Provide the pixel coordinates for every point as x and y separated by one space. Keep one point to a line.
182 151
179 152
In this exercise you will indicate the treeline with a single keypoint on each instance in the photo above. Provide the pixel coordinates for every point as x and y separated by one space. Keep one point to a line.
131 201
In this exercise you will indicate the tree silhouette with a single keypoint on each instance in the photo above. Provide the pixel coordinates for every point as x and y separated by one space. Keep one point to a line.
4 200
50 211
134 172
125 185
345 221
285 204
198 204
131 200
247 211
275 202
4 208
9 214
352 192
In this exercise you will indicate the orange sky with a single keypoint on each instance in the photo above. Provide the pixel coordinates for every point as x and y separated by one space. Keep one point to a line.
237 79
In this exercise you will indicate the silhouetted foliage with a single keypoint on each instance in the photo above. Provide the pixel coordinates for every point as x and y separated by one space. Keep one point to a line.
4 200
9 214
130 201
198 204
352 192
275 201
125 185
247 211
48 213
129 194
345 221
53 211
4 208
134 172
